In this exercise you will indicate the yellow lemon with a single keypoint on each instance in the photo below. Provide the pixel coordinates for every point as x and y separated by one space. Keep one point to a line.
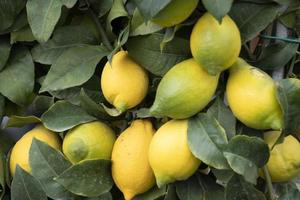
184 90
93 140
169 153
251 94
20 151
124 83
215 46
175 12
284 161
130 166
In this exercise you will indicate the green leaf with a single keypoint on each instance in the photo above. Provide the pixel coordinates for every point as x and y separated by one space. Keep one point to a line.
171 193
288 95
252 18
117 10
101 7
4 51
287 191
9 11
152 194
63 38
276 55
22 35
246 155
146 51
64 115
17 79
218 8
139 27
238 188
74 67
207 140
151 8
211 190
26 187
43 16
223 176
2 106
189 189
20 121
47 163
2 173
224 116
89 178
42 103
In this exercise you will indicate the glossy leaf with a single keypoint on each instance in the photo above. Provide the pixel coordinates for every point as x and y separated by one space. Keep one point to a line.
207 140
89 178
218 8
146 51
151 8
20 121
64 115
47 163
26 187
189 189
4 51
17 79
246 155
289 98
74 67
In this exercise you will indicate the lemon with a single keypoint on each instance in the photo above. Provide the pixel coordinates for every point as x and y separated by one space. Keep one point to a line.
184 90
215 46
284 161
175 12
93 140
124 83
251 94
130 166
169 153
20 151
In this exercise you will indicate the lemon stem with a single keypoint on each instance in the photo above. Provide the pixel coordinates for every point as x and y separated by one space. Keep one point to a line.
269 183
103 35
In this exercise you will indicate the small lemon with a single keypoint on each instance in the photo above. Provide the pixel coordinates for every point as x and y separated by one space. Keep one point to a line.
175 12
124 83
20 151
251 94
284 161
130 166
93 140
169 153
213 45
184 90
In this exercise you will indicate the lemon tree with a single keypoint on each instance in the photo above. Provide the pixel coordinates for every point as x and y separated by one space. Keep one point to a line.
149 100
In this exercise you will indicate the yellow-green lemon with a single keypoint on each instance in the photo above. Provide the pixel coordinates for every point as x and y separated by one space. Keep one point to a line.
184 90
213 45
93 140
251 94
169 153
175 12
124 83
20 152
130 166
284 161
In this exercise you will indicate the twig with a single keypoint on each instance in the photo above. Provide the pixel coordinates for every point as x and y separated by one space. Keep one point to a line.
269 183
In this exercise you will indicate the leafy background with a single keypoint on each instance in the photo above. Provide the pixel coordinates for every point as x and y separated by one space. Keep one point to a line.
52 53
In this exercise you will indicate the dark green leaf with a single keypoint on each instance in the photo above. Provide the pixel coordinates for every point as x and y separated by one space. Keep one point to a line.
146 51
63 38
252 18
47 163
207 140
287 191
151 8
22 35
189 189
2 173
171 193
117 10
218 8
9 11
5 143
64 115
2 106
288 95
152 194
211 190
223 176
246 155
224 116
42 103
238 188
26 187
17 79
4 51
101 7
20 121
43 16
89 178
74 67
276 55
